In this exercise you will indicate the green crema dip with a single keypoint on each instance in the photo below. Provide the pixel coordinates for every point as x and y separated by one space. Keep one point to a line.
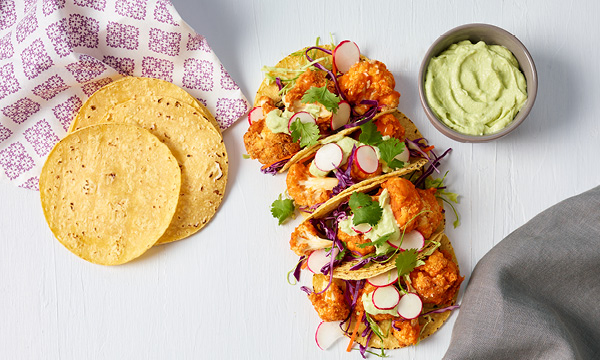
475 89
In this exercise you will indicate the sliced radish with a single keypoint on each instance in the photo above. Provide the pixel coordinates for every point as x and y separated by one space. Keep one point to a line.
342 116
345 55
385 279
329 157
327 333
303 116
316 260
410 306
403 156
362 228
256 114
412 240
386 297
366 159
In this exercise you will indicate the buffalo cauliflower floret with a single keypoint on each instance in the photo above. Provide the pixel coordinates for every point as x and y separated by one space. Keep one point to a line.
406 331
330 305
352 243
308 190
267 104
414 208
437 280
268 147
389 125
305 240
369 80
432 216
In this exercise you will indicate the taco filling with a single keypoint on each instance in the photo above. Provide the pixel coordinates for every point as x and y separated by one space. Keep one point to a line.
395 309
306 98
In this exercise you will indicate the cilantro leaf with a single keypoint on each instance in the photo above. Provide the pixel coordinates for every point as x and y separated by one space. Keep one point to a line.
322 96
365 209
389 149
282 209
406 262
369 134
308 133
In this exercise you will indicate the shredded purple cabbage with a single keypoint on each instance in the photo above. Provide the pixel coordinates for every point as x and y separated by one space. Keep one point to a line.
365 261
299 267
362 119
432 167
274 168
309 209
344 177
329 72
306 290
278 82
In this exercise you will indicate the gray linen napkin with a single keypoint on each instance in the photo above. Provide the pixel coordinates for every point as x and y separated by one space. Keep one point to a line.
536 295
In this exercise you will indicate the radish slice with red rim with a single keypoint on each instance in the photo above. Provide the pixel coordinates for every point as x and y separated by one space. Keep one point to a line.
362 228
316 260
342 116
366 159
303 116
385 279
329 157
256 114
345 55
327 333
410 306
411 240
386 297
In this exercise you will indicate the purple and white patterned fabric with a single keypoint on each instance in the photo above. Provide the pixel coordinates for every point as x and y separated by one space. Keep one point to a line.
55 53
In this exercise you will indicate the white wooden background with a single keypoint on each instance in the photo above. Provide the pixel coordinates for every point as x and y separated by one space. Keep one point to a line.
222 294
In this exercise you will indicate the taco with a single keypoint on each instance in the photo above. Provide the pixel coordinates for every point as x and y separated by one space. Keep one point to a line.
315 93
366 229
396 309
348 159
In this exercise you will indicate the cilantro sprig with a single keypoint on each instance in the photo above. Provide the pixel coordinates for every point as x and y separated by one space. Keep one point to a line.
322 96
406 262
388 149
282 209
365 209
307 133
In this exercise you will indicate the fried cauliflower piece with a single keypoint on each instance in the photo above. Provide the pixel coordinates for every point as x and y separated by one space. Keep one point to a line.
437 280
389 125
308 190
262 144
414 208
369 80
267 104
433 216
352 243
359 175
305 240
405 201
408 333
309 78
330 305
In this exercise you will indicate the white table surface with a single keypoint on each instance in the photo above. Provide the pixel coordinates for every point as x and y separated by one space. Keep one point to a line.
222 293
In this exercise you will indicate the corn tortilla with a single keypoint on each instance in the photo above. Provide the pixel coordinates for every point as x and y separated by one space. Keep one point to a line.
198 148
128 88
109 192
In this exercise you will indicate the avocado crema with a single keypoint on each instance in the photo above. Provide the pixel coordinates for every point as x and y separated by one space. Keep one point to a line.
387 225
475 89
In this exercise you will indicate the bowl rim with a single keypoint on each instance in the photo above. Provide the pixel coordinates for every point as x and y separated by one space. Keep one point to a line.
532 84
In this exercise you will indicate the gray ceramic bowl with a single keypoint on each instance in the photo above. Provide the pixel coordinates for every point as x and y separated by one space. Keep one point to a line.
491 35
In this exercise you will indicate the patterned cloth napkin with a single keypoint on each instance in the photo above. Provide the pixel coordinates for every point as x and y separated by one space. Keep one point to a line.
55 53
